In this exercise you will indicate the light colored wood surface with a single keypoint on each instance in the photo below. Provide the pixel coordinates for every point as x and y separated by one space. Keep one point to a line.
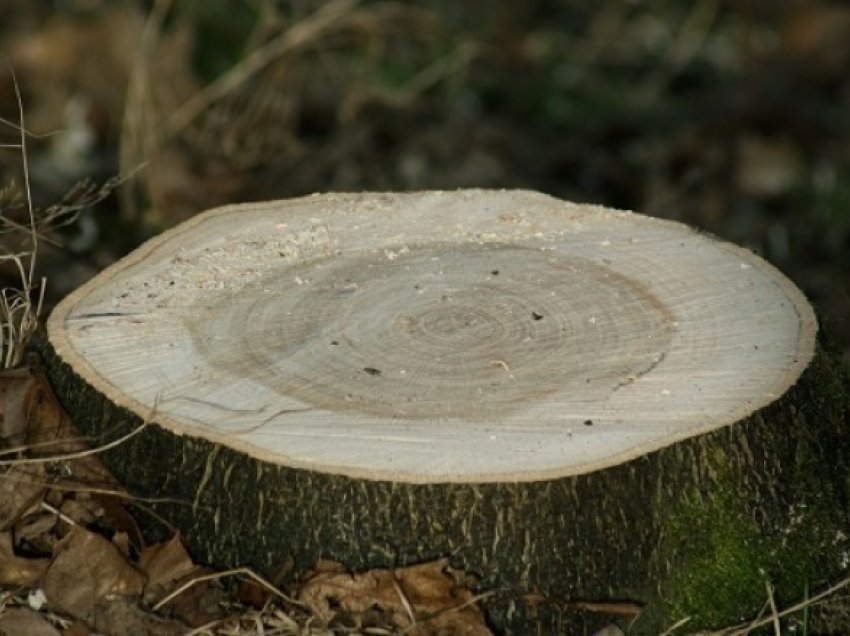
438 336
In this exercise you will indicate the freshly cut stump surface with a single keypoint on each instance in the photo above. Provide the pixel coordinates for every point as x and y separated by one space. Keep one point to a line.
560 397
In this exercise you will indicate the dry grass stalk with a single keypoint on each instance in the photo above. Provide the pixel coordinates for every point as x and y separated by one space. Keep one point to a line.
146 128
69 456
18 311
220 575
299 35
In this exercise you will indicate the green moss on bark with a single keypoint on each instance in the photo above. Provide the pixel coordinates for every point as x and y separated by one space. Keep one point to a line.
720 571
783 520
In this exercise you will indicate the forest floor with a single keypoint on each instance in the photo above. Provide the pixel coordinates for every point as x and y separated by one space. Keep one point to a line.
731 118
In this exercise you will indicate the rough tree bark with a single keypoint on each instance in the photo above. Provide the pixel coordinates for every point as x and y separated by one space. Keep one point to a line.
571 402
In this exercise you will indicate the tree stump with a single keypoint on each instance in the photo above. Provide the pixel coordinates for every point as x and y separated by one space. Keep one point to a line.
573 403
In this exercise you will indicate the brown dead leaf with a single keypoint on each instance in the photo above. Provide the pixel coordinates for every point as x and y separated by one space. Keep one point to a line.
168 566
50 430
116 516
17 571
200 603
20 621
122 616
36 529
434 593
165 563
253 594
20 488
51 433
77 628
54 498
121 541
326 566
87 570
14 385
75 507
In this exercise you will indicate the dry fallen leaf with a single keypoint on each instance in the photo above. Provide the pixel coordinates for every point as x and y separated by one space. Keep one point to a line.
168 566
51 433
49 430
86 570
116 516
200 603
20 621
121 541
165 563
77 628
76 509
36 530
20 488
124 616
253 594
17 571
14 385
430 598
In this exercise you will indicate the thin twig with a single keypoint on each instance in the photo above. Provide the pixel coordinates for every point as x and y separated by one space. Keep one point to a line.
773 611
79 454
298 35
19 128
18 315
89 451
58 513
24 448
691 37
679 623
138 91
404 601
26 169
67 485
219 575
455 608
742 630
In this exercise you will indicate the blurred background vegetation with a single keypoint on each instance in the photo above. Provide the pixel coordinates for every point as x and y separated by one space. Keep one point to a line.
731 116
